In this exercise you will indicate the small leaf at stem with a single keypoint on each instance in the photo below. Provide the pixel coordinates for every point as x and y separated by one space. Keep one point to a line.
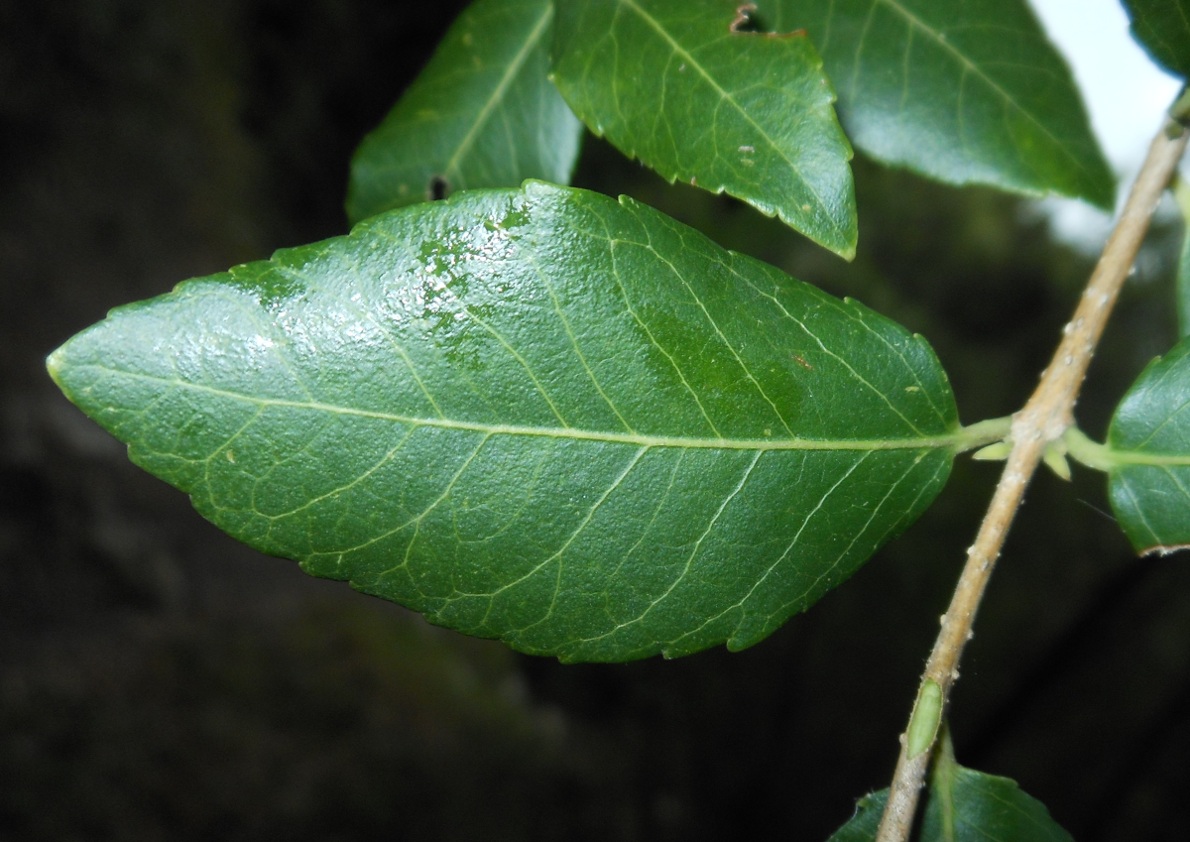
994 452
539 415
926 719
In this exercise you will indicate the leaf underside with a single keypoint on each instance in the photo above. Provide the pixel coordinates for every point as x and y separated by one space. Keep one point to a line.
481 114
969 92
1162 27
1150 437
541 415
670 82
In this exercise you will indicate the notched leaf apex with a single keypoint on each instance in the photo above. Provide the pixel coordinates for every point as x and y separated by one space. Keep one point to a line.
744 20
747 22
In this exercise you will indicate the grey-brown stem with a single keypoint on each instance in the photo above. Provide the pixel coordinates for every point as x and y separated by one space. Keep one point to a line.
1041 423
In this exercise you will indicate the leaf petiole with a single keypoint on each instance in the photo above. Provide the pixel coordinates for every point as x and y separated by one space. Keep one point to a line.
1104 457
983 434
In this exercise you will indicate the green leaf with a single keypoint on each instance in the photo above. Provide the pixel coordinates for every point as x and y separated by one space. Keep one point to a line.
539 415
1162 27
1149 455
967 92
1181 192
983 808
482 114
1183 281
963 805
670 82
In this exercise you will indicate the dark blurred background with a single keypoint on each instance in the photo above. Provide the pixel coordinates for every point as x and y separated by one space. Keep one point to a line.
159 681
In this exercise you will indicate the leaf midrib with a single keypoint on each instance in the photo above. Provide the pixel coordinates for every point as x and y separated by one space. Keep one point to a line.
952 440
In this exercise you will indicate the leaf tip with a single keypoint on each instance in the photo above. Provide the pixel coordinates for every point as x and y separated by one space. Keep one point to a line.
53 362
841 240
55 365
1103 194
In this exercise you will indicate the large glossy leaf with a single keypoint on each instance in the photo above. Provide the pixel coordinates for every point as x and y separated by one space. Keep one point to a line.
540 415
482 114
1163 28
963 805
1149 455
961 92
672 83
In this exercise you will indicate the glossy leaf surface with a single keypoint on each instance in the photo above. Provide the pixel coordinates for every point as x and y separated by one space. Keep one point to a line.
1149 440
1162 27
540 415
963 805
482 114
969 92
672 83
